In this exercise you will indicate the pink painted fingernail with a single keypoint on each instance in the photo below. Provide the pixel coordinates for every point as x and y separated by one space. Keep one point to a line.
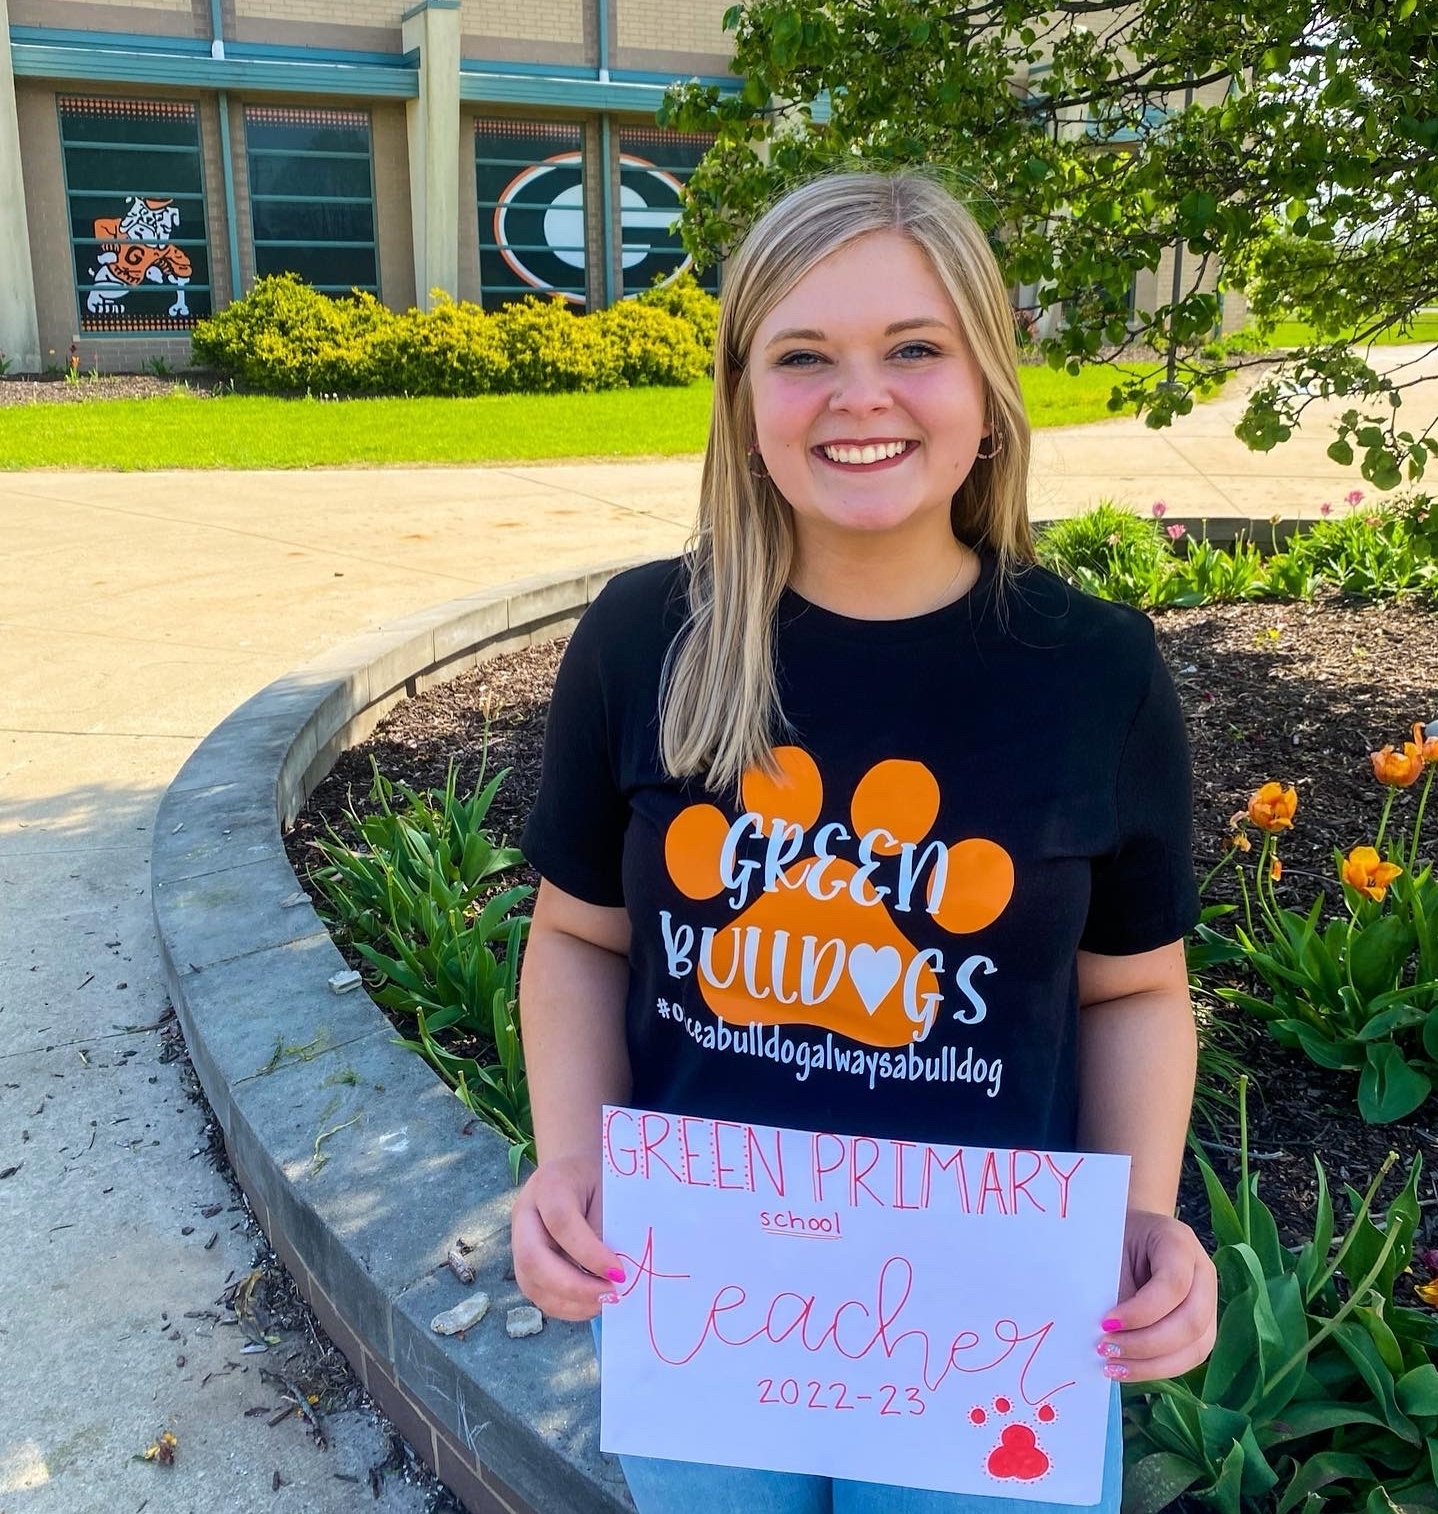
1108 1348
615 1274
1114 1370
608 1298
1113 1324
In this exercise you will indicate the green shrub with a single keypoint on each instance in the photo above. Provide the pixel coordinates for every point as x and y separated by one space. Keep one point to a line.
1322 1388
1380 552
418 901
683 297
285 337
654 345
451 351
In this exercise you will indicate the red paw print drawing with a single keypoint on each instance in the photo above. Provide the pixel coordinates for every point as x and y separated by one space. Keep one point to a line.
1018 1454
815 936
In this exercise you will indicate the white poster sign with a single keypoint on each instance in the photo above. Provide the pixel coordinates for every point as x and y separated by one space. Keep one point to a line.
936 1328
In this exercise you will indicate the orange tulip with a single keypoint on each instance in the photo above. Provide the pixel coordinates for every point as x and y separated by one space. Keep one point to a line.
1240 842
1275 870
1365 871
1399 770
1428 1292
1428 745
1272 807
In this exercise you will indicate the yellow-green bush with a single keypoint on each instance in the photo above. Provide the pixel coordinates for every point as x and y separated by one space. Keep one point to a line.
683 297
286 337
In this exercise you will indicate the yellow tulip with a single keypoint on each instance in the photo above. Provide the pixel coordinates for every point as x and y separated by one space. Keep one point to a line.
1365 871
1399 770
1272 807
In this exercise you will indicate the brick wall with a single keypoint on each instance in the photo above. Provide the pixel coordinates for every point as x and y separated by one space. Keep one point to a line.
244 226
533 20
324 12
689 26
131 354
222 276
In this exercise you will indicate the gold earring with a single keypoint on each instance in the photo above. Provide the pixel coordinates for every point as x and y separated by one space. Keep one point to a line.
757 468
997 441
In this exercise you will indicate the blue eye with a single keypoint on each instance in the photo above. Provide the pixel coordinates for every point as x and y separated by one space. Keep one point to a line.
799 360
917 350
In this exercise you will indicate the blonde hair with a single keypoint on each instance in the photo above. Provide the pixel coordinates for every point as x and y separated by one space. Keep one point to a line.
719 703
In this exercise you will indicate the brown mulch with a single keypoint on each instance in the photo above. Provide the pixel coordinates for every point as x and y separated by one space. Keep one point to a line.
1293 692
56 389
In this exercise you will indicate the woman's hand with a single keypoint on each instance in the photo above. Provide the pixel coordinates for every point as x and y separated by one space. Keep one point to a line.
560 1263
1167 1314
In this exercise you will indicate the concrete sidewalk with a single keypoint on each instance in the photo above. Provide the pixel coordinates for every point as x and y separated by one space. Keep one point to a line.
136 612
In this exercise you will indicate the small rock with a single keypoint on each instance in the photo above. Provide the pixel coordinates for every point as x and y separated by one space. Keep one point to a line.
464 1316
459 1266
342 983
524 1320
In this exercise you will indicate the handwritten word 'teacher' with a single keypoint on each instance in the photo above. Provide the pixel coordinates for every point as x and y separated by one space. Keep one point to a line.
680 1323
857 1170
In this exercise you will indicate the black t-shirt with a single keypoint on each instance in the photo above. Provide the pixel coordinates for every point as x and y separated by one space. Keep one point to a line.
884 944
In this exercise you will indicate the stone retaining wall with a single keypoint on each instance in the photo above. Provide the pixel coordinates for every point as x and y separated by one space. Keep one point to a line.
351 1150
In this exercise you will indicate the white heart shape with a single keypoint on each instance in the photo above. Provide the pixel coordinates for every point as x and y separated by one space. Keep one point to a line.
874 971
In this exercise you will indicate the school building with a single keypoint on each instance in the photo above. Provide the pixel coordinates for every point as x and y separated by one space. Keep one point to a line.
157 156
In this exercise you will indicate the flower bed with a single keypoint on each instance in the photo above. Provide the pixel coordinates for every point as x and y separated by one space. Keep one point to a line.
1298 694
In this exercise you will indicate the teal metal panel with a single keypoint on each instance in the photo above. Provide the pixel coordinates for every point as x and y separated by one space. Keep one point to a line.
101 65
266 52
555 92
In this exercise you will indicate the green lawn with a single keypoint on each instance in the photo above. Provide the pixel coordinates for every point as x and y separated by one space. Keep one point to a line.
254 431
1423 329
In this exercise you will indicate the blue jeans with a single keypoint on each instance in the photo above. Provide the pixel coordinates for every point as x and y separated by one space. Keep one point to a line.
685 1487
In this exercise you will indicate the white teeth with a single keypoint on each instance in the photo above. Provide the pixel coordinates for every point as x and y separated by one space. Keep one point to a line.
864 455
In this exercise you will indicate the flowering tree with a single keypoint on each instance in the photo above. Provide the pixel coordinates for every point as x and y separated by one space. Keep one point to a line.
1291 145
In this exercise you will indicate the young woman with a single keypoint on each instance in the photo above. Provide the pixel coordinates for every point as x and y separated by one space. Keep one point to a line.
856 711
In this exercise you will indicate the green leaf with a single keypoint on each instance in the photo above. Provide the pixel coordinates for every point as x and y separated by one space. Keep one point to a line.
1357 1345
1389 1088
1417 1391
1233 1373
1319 1471
1341 453
1227 1228
1340 1056
1300 1420
1314 1256
1226 1494
1430 1034
1377 952
1154 1482
1196 210
1382 1337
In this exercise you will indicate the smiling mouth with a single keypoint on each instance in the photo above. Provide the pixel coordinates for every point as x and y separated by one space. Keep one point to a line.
865 455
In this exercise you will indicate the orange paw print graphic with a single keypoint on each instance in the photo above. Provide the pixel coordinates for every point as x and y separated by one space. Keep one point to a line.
1018 1455
815 937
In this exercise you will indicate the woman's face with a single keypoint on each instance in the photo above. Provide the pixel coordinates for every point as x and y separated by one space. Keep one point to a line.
868 405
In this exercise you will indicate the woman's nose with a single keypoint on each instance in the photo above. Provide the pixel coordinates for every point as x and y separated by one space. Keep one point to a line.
859 388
